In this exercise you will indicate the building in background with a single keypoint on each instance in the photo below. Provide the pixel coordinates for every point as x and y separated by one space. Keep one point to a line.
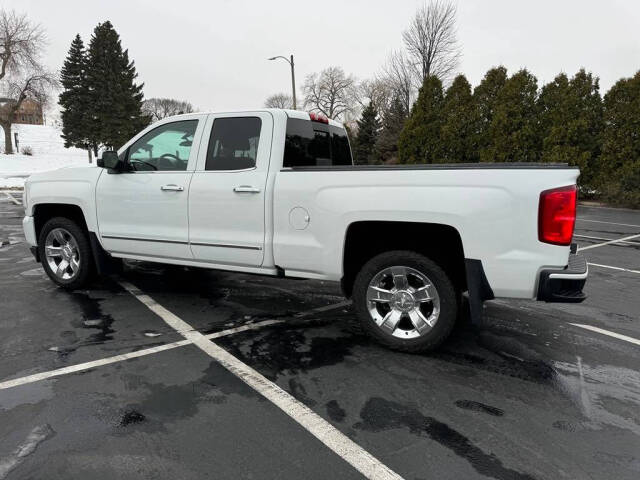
29 113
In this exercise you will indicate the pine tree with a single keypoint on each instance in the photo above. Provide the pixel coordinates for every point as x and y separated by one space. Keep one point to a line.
620 161
74 100
115 99
392 125
513 134
365 152
460 123
485 96
571 122
420 138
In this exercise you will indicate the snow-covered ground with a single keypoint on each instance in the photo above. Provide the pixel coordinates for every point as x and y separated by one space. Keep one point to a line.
48 154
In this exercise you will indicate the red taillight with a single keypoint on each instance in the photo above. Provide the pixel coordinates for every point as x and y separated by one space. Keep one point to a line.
557 215
318 117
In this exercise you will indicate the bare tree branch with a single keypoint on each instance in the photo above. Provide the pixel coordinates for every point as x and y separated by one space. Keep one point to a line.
159 108
35 84
431 40
403 77
279 100
331 92
21 42
377 91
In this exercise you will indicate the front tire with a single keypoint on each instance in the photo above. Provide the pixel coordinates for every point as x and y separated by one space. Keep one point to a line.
65 253
405 301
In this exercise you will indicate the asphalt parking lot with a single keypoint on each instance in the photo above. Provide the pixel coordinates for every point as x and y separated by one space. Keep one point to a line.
172 373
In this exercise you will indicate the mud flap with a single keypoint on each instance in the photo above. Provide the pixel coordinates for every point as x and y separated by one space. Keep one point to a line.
478 288
105 263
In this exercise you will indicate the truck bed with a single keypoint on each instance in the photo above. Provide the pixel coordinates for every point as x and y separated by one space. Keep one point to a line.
438 166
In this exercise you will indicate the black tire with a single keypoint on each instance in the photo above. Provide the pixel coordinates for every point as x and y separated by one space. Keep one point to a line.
86 267
448 300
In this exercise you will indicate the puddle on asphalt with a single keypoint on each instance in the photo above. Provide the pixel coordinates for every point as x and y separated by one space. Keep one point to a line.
379 415
479 407
606 395
284 349
28 394
165 403
335 412
131 417
93 319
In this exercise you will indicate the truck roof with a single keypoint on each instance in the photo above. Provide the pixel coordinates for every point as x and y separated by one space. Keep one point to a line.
305 116
301 114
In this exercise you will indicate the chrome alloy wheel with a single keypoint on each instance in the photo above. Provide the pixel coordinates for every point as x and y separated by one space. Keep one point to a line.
403 302
62 253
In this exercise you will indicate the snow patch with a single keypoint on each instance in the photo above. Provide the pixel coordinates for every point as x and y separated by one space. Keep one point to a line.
49 153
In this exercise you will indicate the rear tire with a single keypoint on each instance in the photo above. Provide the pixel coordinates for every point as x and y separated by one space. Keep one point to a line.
405 301
65 253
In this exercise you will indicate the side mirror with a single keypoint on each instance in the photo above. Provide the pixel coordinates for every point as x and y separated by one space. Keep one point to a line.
110 160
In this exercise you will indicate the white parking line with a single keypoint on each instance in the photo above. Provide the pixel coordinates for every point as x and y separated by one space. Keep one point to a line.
150 351
614 268
87 365
127 356
589 237
342 445
10 197
608 223
607 332
609 242
323 309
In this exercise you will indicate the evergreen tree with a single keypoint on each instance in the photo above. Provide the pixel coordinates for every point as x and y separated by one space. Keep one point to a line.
620 160
513 134
460 123
74 100
420 138
365 151
571 122
485 96
392 125
115 99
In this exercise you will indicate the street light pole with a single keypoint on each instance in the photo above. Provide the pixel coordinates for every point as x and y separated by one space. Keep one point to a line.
293 83
293 77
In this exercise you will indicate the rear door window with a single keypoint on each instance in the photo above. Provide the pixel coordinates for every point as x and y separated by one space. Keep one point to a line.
315 144
233 144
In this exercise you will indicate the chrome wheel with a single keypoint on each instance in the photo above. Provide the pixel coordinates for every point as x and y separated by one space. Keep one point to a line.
62 254
403 302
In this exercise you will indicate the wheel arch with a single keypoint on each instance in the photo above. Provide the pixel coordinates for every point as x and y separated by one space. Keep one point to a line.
366 239
104 262
43 212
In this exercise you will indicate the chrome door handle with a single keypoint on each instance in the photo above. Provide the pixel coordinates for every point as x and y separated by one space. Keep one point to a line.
172 188
246 189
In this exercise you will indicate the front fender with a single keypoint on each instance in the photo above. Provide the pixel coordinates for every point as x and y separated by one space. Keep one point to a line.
68 186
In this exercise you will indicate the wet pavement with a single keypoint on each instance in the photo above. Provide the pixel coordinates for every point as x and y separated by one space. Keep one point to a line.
527 396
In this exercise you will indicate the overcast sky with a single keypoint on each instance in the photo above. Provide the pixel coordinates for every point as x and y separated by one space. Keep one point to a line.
214 53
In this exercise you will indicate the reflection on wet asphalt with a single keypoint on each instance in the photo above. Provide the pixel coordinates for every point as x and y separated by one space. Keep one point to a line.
525 396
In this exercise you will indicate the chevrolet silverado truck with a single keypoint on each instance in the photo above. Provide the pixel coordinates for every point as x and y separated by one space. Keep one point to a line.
275 192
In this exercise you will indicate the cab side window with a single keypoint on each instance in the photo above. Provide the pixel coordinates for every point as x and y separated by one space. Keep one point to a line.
312 144
164 148
233 144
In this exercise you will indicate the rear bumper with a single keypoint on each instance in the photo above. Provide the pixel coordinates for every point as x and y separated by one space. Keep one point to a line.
564 285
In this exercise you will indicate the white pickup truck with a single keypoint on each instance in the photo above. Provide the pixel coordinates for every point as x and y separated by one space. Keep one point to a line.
275 192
